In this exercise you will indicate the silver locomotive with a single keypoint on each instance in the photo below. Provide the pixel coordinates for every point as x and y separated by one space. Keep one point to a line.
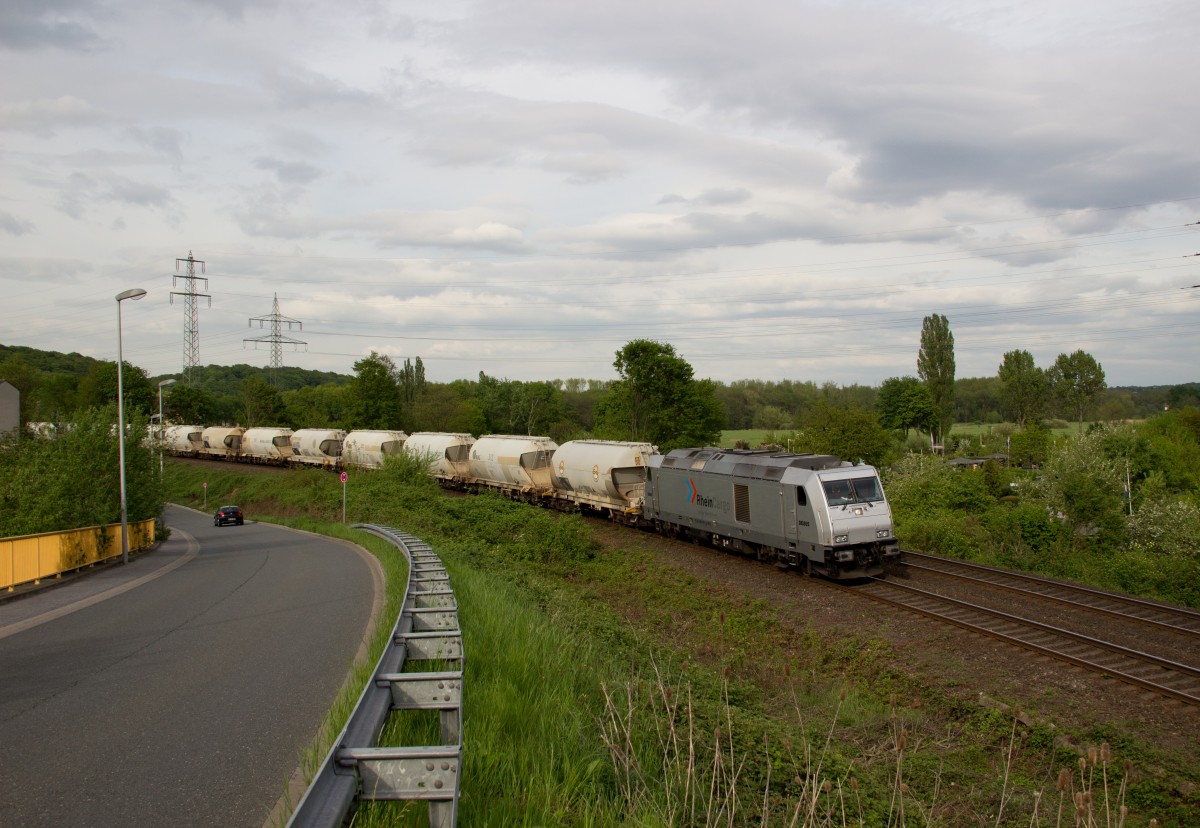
813 512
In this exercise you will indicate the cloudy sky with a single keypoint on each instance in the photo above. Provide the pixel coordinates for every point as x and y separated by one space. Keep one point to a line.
781 190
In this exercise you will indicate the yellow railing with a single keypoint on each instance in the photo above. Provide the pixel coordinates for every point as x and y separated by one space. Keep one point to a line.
30 558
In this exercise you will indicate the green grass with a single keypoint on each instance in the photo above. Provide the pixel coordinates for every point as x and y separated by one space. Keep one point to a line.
604 689
753 436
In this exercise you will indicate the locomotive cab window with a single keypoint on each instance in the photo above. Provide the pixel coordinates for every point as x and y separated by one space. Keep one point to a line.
857 490
801 496
867 489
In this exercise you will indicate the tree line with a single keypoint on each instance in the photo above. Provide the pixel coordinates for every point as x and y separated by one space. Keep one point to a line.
655 397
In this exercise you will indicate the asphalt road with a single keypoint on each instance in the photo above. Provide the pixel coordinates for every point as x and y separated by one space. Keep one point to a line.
180 689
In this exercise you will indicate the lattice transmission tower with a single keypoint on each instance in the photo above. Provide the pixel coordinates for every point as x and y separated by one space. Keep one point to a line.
276 338
191 313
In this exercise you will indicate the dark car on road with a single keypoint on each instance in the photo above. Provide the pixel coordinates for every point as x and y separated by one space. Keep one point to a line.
228 514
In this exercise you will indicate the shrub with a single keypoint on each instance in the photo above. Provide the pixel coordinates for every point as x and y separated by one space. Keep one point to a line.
1166 527
942 533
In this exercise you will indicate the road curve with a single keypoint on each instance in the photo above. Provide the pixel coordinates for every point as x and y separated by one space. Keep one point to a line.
180 689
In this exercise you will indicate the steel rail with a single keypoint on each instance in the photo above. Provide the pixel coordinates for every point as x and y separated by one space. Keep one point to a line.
873 590
1048 596
1129 600
356 768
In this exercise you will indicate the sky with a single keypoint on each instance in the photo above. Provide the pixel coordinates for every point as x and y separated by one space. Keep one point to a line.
779 189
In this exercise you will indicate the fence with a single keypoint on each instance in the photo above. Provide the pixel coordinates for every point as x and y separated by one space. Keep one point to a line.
30 558
355 769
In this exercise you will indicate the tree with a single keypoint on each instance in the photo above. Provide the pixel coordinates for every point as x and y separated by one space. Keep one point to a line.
375 396
1183 395
771 417
443 408
935 365
187 404
657 400
319 406
1023 387
904 402
99 388
851 433
261 403
412 380
1075 382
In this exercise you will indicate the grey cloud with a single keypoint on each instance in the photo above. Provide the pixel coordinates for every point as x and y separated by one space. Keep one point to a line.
715 197
669 236
237 9
43 270
289 172
14 226
300 141
46 116
138 193
1007 121
300 88
718 197
271 213
163 140
80 192
42 24
588 142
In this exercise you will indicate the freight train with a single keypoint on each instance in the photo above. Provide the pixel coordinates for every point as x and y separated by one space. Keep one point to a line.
809 512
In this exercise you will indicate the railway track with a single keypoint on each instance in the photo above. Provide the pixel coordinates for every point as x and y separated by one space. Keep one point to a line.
1126 608
1132 665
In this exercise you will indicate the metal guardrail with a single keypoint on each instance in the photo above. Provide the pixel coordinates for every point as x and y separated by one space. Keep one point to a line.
355 769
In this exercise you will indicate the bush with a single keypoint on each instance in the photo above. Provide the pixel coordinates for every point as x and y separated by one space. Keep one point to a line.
941 533
71 480
1166 527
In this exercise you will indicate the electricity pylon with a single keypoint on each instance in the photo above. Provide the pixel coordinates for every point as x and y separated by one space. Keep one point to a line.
191 313
276 338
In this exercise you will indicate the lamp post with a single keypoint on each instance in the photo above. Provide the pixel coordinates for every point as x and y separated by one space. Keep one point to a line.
161 427
132 293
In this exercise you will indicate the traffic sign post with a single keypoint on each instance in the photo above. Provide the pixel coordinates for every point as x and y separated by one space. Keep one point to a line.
206 495
345 477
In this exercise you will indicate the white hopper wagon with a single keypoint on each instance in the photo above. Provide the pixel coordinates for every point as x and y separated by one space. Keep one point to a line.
223 442
318 446
366 449
267 445
604 475
513 462
446 452
183 440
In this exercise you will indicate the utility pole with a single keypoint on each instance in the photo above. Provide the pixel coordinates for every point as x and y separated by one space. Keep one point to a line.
191 313
276 338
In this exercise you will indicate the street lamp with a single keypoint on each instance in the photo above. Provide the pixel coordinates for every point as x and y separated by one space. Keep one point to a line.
161 428
132 293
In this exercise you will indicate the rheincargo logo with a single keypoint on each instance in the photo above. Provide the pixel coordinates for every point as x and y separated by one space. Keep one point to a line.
694 496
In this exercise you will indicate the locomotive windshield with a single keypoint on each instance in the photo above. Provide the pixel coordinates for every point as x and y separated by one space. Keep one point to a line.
854 490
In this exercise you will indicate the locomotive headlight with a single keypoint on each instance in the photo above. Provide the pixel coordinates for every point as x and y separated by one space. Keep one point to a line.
840 538
882 533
